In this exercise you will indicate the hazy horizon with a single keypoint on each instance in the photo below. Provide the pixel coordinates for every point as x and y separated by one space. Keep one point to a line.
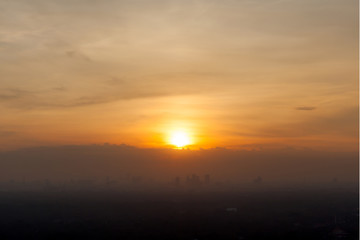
285 166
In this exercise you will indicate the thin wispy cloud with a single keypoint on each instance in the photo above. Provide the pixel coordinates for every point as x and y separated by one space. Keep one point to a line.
305 108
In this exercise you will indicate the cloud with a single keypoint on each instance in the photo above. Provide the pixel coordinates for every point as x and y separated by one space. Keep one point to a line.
78 54
115 81
60 89
340 123
130 94
50 98
12 94
6 133
7 96
305 108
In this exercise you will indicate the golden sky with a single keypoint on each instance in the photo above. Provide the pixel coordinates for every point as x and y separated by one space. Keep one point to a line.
236 74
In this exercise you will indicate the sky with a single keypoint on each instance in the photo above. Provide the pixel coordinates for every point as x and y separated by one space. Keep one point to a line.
245 74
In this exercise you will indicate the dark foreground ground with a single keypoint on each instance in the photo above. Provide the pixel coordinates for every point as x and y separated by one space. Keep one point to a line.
192 215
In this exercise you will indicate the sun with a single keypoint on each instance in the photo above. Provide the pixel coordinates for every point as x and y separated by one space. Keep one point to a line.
180 139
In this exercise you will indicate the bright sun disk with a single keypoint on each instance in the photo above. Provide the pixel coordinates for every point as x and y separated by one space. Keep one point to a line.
179 139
